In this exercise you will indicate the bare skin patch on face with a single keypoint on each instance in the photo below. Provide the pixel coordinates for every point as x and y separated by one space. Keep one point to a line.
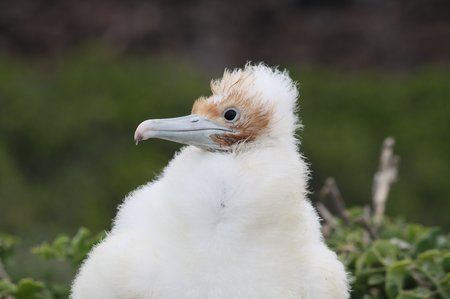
254 117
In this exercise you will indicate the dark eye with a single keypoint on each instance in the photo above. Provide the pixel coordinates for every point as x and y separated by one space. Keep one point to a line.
231 114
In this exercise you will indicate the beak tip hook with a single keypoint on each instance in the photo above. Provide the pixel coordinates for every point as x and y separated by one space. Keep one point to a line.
138 138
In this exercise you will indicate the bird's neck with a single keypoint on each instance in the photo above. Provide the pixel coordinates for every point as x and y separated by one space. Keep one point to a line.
256 190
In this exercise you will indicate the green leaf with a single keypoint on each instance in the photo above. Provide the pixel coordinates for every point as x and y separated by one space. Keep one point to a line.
416 293
428 240
445 284
81 244
385 252
28 288
415 232
7 287
431 263
395 277
7 244
446 262
63 247
375 279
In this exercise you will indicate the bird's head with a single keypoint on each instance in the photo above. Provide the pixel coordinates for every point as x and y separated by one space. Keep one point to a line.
253 105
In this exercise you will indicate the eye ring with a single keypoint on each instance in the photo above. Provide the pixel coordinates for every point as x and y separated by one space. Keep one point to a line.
231 114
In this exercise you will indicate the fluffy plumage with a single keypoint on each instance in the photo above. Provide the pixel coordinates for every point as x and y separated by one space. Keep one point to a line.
229 217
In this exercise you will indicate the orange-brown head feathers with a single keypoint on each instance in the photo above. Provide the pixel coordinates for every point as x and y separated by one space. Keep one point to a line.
236 109
240 90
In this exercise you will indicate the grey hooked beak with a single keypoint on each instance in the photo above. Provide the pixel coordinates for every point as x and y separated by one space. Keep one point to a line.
191 129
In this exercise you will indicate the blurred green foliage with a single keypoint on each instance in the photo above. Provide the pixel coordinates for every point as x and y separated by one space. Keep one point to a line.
72 250
403 261
67 156
64 248
67 153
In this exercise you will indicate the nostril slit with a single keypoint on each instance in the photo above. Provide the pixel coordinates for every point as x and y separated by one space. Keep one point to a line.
195 120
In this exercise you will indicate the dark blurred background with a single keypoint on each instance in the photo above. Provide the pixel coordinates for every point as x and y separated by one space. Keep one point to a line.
76 77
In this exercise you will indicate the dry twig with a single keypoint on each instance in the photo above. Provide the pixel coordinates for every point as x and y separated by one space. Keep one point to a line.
330 222
365 222
326 215
330 190
384 177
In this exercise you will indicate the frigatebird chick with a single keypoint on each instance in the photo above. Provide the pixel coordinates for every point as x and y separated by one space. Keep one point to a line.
229 218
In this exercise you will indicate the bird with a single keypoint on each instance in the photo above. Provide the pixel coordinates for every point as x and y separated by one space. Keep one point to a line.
229 217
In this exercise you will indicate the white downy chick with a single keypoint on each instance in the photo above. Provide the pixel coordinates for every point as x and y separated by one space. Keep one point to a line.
229 217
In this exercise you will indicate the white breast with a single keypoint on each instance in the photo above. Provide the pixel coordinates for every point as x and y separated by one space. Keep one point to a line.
221 226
